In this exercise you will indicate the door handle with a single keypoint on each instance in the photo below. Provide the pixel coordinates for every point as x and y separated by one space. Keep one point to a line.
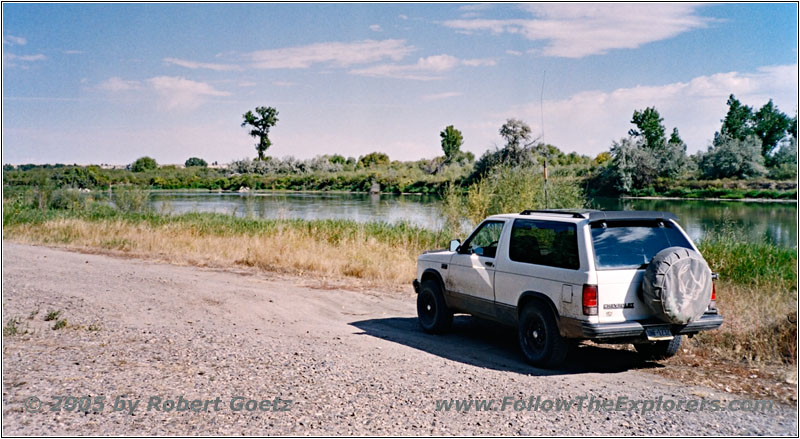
489 264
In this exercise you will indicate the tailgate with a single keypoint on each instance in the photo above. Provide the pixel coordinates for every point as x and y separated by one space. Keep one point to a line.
618 296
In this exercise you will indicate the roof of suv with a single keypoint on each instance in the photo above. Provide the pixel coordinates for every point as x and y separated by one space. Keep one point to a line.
596 215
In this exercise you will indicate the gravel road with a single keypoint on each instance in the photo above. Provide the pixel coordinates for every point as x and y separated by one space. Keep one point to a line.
351 362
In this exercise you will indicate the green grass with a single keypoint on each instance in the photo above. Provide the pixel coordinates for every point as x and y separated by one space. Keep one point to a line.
13 328
52 315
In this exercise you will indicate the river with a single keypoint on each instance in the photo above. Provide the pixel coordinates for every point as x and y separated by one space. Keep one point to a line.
753 221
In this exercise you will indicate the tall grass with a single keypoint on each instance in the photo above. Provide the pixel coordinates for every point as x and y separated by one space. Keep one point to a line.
756 294
511 189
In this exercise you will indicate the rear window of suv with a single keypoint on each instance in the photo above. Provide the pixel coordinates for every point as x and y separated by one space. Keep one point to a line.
548 243
632 244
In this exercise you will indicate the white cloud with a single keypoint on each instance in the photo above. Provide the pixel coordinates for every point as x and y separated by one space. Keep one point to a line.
375 28
179 93
589 121
425 69
28 58
284 83
513 52
117 84
11 60
14 41
172 92
440 96
73 52
479 62
575 30
336 53
199 65
403 17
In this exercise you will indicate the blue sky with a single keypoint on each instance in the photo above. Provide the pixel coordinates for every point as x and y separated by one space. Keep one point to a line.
90 83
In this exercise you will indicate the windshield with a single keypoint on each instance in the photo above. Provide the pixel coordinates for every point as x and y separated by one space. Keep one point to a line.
632 244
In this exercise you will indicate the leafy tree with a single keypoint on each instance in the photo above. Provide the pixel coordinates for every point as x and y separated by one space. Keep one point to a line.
785 161
195 161
633 165
738 122
515 132
675 137
373 159
337 159
731 157
451 143
144 164
649 126
770 125
264 119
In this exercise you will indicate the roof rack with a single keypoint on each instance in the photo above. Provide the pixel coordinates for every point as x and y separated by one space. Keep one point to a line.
572 213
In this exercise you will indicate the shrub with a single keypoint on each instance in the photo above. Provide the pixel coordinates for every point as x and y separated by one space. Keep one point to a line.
130 199
144 164
508 189
731 157
67 199
195 161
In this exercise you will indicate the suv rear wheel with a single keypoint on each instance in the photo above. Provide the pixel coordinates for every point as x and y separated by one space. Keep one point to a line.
539 339
659 350
432 312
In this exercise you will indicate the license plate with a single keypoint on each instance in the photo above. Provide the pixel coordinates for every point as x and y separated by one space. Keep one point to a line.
655 333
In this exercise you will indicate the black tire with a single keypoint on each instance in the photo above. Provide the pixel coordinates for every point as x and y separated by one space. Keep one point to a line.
539 339
432 312
660 350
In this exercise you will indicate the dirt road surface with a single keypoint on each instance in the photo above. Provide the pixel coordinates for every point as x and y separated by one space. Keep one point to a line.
351 362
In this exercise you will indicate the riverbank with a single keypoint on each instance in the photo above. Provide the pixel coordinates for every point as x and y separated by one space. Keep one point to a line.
757 292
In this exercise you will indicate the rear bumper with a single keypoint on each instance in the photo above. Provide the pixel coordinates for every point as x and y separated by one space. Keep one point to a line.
574 328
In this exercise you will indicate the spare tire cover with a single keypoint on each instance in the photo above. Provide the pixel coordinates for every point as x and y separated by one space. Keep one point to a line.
677 285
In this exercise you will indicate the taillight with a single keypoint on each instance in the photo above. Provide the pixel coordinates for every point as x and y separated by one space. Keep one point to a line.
590 300
713 304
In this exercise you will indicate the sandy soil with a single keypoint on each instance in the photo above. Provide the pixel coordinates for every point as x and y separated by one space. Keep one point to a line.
351 362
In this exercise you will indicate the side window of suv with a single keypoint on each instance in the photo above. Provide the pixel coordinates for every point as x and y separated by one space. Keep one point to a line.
548 243
484 241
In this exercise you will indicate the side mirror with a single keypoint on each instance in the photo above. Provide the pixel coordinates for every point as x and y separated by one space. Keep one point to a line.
454 245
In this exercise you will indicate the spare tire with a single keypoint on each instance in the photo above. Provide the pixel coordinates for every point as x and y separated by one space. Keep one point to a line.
677 285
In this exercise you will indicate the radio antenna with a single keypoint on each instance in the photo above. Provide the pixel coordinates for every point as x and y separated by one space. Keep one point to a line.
541 109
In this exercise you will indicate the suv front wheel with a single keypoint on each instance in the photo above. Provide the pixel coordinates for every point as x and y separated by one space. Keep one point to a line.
432 312
539 339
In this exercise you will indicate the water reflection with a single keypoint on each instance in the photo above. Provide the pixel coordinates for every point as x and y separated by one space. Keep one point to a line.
774 222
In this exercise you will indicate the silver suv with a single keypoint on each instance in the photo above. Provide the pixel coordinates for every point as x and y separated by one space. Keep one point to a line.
561 276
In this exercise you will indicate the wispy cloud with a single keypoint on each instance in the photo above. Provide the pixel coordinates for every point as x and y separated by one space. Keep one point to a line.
425 69
179 93
440 96
338 54
73 52
11 40
403 17
117 84
580 29
479 62
201 65
513 52
11 60
284 83
173 92
375 28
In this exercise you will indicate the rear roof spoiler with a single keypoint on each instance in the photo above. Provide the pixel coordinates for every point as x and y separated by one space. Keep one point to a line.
610 215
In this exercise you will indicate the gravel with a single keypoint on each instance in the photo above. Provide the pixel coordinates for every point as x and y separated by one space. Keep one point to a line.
351 362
